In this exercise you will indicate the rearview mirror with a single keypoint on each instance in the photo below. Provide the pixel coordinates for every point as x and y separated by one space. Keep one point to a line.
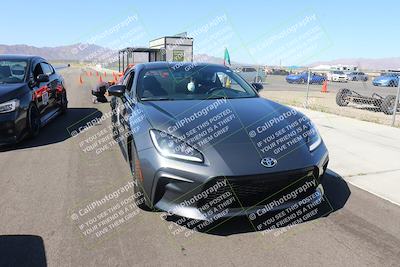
117 90
42 78
257 86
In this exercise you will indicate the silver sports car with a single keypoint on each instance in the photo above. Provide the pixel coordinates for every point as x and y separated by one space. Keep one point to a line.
202 144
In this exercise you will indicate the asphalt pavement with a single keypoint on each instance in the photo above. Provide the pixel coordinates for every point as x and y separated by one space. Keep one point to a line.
48 186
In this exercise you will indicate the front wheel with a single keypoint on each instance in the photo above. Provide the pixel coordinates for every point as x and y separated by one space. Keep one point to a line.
33 121
257 79
137 175
64 102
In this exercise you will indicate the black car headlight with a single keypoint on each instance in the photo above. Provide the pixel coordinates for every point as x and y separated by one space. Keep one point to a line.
313 137
172 147
9 106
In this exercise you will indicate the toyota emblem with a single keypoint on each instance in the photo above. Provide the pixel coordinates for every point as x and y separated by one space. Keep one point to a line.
268 162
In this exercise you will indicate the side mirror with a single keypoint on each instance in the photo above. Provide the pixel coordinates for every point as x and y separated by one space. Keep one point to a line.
257 86
42 78
117 90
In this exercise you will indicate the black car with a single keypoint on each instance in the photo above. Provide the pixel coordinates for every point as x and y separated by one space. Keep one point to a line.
31 94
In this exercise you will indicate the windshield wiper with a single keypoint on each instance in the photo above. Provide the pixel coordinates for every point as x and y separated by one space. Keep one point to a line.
218 97
156 99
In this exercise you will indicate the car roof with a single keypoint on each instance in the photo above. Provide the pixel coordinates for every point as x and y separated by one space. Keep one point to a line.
19 57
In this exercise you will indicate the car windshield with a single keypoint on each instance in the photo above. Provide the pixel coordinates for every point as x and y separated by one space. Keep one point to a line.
186 82
12 71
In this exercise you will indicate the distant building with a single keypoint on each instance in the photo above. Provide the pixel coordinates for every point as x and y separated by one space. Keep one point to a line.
176 48
324 69
168 48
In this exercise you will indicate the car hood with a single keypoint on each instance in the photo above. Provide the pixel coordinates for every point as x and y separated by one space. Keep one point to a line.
11 91
229 143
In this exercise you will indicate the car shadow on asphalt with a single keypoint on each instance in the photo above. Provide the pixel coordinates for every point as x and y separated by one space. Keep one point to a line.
337 192
59 129
22 250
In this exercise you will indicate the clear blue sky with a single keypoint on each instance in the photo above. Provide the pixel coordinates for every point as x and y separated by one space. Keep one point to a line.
350 29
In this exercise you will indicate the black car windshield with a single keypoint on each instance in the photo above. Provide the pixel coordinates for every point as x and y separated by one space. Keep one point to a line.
12 71
187 82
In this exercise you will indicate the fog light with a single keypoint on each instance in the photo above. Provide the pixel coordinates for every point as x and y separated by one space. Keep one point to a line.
320 190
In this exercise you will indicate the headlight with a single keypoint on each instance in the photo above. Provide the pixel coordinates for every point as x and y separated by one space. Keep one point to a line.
9 106
171 147
313 138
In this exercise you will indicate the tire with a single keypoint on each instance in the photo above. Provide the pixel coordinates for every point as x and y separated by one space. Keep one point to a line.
64 102
257 79
301 81
354 79
387 106
137 187
341 97
33 121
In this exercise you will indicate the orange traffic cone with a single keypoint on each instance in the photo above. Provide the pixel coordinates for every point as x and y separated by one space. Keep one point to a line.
325 87
105 74
97 73
100 79
90 73
80 79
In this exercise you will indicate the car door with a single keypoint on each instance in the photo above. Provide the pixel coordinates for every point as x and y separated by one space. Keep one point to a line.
51 85
40 89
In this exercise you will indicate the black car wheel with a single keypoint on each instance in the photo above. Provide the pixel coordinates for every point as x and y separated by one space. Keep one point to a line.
137 177
387 106
257 79
64 102
33 121
354 79
301 80
342 97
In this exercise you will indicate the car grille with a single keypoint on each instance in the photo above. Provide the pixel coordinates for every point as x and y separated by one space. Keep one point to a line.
259 189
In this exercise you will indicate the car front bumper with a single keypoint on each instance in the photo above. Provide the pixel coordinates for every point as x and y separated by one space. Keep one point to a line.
179 190
8 128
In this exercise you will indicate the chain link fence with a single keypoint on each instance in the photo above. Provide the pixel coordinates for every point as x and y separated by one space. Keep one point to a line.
361 94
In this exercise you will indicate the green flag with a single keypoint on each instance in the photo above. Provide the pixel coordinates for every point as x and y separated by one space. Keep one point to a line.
227 59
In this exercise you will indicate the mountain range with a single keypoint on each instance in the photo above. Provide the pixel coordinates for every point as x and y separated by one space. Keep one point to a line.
75 52
84 52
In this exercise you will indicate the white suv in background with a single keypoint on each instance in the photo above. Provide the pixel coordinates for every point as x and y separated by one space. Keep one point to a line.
337 76
251 74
